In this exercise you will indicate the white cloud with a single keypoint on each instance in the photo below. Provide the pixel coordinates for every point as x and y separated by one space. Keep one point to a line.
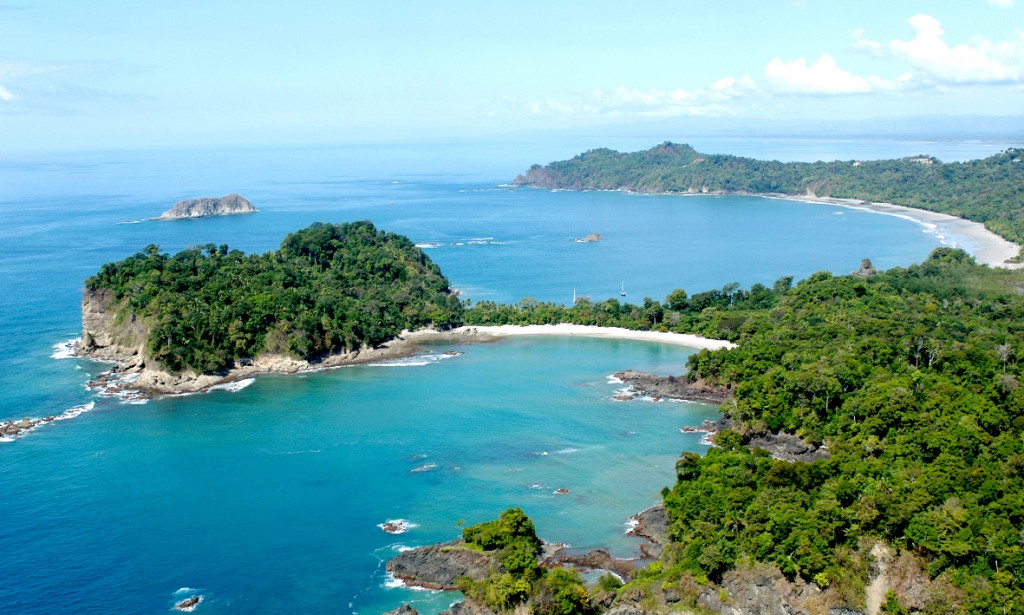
979 61
624 103
822 76
931 65
5 94
1003 4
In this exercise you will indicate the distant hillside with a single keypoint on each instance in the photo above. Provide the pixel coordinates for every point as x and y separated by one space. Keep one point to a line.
990 191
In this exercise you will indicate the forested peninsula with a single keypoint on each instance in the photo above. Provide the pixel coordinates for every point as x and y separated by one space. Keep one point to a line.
329 291
910 379
990 191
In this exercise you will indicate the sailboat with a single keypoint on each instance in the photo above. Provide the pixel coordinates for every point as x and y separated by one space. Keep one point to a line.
623 291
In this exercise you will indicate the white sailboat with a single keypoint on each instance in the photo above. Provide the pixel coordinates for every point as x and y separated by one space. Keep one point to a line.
623 291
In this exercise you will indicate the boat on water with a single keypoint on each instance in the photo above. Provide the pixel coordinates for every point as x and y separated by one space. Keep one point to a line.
622 293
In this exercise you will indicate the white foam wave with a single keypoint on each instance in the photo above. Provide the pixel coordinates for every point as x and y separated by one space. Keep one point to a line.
423 468
233 387
567 451
613 379
631 524
132 221
65 350
417 360
186 590
397 526
391 582
71 413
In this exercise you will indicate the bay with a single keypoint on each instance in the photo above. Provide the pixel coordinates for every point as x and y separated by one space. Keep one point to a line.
267 499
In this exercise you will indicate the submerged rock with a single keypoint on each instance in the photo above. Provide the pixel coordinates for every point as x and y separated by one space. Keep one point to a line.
188 604
200 208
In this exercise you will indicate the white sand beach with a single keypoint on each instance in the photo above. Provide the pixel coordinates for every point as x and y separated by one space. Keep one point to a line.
986 247
569 330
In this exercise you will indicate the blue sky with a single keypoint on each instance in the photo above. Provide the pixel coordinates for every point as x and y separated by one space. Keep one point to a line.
126 73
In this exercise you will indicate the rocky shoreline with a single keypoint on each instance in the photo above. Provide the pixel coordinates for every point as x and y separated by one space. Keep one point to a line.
674 387
784 446
439 566
133 379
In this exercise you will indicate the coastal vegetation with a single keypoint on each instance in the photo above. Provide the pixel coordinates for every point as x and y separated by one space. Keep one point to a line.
990 191
910 378
518 579
329 288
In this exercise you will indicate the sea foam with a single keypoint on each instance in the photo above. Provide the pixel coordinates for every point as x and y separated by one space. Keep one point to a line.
65 350
233 387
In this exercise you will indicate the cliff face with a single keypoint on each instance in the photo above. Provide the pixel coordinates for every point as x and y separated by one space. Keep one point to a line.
107 335
199 208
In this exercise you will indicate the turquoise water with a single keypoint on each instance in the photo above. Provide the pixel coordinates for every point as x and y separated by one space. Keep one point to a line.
267 499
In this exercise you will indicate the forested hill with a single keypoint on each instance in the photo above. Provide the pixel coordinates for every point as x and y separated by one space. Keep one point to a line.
912 378
329 288
989 190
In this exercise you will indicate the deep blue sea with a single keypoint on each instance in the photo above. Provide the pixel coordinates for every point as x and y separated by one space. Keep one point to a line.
267 499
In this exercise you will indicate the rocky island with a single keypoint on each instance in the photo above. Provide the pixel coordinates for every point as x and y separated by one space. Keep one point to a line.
200 208
330 295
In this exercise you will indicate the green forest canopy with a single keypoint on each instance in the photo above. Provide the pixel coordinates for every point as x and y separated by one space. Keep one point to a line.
990 191
328 288
911 377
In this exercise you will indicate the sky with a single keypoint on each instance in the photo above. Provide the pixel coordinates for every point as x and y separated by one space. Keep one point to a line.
117 73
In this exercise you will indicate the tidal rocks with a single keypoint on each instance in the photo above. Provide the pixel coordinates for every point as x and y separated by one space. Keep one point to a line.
593 237
201 208
12 429
440 566
188 604
674 387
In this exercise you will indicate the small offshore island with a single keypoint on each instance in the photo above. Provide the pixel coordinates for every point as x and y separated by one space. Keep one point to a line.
228 205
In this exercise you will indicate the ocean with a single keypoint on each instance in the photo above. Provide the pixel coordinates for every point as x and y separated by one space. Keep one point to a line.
267 497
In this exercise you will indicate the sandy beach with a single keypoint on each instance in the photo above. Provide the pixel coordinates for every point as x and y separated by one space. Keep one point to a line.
986 247
570 330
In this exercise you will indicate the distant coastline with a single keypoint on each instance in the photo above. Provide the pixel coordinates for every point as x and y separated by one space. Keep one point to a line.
989 248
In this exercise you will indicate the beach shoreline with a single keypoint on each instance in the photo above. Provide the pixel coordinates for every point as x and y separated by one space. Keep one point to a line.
985 246
494 332
133 381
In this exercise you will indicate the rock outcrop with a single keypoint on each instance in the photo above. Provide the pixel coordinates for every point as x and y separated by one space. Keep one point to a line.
440 566
108 335
201 208
674 387
652 524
